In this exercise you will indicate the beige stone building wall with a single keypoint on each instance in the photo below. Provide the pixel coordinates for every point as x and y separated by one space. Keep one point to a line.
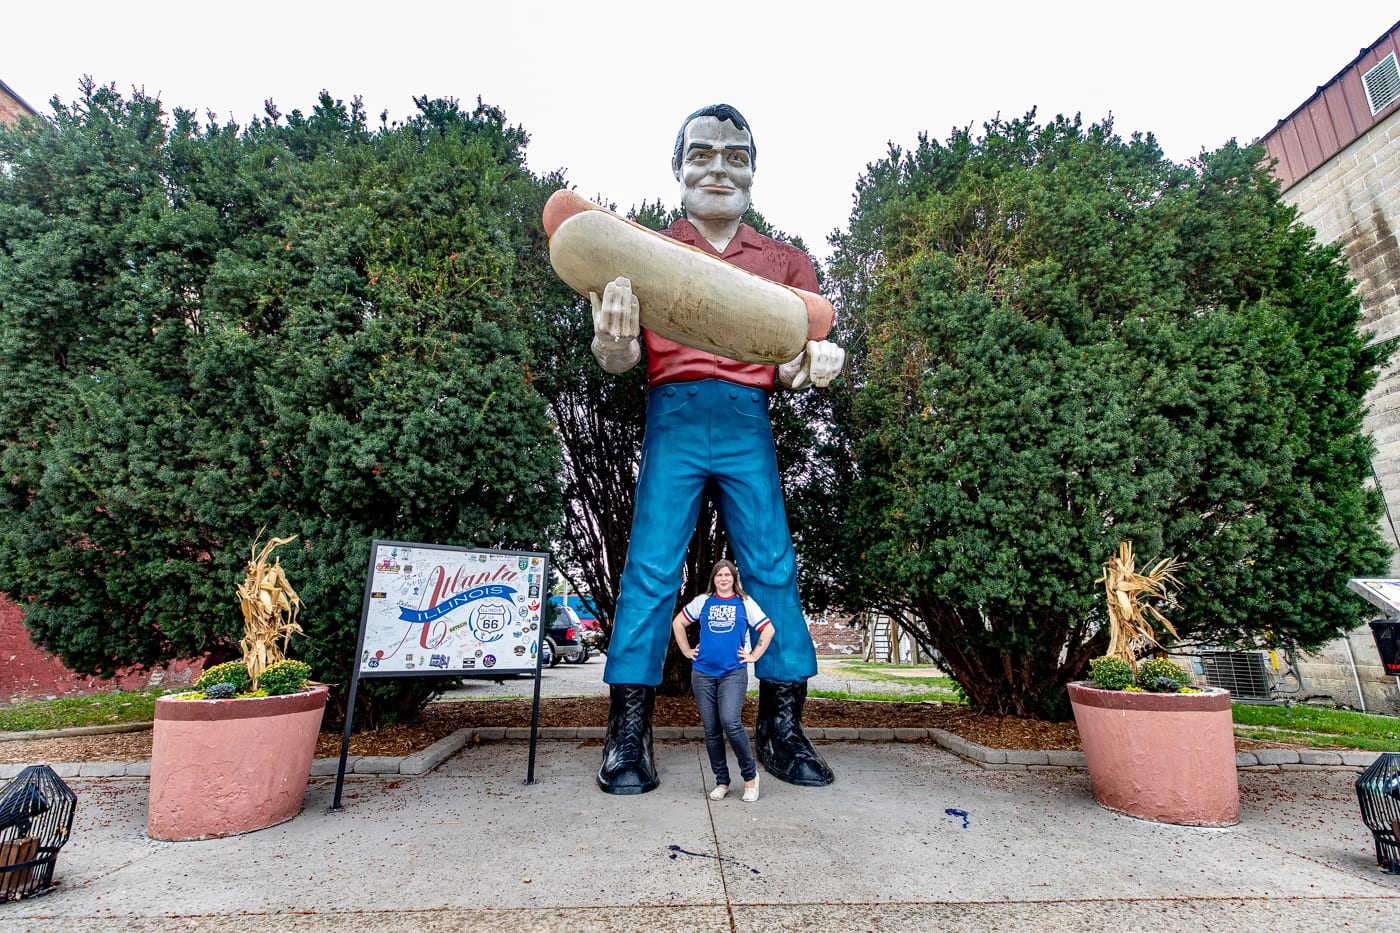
1329 675
1354 198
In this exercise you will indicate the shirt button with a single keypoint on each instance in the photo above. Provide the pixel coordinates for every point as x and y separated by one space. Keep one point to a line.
670 391
733 393
692 390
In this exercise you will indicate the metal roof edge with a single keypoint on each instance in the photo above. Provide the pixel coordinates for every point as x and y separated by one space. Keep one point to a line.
24 103
1331 81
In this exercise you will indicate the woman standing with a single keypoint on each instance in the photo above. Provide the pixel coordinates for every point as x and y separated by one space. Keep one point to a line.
719 678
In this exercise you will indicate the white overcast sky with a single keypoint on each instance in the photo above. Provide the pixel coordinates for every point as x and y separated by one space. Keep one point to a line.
601 86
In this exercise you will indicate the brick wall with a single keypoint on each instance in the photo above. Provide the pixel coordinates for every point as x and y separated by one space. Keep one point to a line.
29 673
834 636
10 108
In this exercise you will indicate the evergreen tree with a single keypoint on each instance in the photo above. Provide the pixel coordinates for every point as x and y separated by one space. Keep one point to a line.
1065 341
302 326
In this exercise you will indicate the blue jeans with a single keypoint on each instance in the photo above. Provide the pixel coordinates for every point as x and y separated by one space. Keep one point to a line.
721 702
696 432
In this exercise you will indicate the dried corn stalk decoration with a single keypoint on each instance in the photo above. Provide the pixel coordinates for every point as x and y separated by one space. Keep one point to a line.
270 608
1130 629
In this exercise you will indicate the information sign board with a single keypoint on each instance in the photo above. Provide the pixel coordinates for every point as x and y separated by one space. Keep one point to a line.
1383 594
433 609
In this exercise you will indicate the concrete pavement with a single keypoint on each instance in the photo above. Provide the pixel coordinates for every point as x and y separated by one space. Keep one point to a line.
469 846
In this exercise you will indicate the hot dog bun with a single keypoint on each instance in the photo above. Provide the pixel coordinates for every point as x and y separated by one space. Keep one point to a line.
685 294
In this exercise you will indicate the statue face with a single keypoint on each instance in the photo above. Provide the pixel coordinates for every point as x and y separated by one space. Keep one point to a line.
716 170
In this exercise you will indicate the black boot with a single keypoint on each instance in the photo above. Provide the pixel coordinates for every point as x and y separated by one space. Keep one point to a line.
782 747
628 766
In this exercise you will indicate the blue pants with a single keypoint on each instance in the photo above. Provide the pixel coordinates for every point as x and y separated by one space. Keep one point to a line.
721 702
698 431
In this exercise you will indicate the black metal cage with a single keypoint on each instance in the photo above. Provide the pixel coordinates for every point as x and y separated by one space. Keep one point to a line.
36 818
1378 789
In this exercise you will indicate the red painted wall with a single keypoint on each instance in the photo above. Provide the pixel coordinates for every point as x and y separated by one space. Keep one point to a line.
30 673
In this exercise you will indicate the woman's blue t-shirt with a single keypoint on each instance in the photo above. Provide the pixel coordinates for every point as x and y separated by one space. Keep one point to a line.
723 623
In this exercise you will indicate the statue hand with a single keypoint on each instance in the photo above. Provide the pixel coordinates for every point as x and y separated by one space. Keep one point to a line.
820 363
616 315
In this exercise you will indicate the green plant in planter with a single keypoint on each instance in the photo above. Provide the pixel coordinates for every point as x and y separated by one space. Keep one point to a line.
230 672
1110 673
1161 675
223 681
283 677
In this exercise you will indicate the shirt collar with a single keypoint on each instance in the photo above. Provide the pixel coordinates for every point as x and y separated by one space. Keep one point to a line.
745 237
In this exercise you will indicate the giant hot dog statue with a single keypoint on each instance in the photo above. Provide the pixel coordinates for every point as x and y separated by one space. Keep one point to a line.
685 294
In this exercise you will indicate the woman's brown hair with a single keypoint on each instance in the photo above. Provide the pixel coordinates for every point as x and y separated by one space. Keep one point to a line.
721 565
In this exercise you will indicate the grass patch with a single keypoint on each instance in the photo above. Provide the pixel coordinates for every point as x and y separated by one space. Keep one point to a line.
919 685
890 674
919 697
1317 727
103 709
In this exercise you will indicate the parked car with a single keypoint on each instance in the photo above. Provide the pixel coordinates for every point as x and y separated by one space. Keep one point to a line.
564 641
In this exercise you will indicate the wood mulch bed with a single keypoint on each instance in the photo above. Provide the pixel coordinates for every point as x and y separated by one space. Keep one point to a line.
439 720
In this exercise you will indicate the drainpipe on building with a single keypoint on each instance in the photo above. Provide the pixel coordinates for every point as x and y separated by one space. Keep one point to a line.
1357 680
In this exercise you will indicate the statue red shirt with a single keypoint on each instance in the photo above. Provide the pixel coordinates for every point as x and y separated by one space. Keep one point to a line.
668 361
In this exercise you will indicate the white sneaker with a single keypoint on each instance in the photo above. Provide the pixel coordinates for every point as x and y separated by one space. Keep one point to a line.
719 792
751 793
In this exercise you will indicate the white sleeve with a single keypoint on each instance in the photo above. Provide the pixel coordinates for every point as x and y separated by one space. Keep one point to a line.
692 608
757 619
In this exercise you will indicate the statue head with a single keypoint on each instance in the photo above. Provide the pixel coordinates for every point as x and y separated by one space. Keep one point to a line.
714 162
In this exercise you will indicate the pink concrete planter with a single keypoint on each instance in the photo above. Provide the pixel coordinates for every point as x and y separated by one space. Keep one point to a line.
223 767
1168 757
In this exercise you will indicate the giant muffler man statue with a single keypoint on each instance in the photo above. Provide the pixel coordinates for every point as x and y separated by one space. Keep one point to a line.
707 419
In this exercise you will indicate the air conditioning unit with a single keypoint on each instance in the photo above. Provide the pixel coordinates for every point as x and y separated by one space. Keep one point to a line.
1246 674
